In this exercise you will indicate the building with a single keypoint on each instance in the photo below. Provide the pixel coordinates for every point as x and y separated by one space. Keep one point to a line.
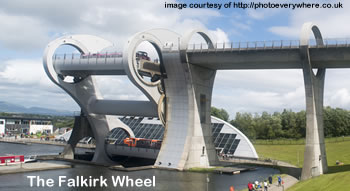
23 125
228 140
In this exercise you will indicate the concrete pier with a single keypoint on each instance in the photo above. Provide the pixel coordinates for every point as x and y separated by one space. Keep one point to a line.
28 141
30 167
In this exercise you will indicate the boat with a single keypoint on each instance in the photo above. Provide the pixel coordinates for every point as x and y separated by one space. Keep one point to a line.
12 159
30 159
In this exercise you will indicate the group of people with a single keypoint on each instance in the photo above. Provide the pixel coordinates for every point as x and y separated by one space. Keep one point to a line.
263 186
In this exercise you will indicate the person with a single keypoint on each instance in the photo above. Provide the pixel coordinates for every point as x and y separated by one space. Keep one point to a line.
270 180
250 186
279 180
265 185
232 188
256 185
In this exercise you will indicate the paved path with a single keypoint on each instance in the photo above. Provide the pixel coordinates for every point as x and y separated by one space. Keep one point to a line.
259 162
288 182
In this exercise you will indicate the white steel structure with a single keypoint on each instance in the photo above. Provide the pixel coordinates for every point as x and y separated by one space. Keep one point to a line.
182 96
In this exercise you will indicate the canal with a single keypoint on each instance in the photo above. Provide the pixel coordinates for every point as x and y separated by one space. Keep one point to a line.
164 179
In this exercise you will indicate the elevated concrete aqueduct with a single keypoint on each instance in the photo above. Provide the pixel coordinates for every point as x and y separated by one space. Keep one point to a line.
182 96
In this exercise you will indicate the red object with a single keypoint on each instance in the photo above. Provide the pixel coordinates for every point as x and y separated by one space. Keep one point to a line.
11 159
232 188
250 186
141 142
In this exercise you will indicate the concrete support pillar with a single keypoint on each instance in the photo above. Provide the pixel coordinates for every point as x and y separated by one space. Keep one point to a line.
188 138
315 161
203 82
80 130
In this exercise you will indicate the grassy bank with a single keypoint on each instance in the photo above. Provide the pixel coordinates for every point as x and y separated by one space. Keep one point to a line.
328 182
294 154
337 177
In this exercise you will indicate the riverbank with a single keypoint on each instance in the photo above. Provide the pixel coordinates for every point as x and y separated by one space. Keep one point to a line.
337 176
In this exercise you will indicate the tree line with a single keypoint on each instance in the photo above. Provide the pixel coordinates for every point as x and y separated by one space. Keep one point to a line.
286 124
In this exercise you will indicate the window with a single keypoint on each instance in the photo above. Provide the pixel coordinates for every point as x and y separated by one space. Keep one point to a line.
203 105
1 122
10 122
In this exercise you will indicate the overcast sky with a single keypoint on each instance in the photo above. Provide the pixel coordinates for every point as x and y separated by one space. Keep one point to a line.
28 26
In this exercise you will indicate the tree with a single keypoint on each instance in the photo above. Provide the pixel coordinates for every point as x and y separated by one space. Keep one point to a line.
220 113
245 123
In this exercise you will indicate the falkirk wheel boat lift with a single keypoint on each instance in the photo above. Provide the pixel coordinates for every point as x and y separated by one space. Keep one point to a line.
180 90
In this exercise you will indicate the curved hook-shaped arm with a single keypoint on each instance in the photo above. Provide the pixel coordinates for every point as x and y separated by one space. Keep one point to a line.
84 43
305 34
50 51
188 36
305 39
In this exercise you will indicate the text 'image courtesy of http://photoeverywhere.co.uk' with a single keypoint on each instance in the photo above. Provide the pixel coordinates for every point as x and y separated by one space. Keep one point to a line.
175 95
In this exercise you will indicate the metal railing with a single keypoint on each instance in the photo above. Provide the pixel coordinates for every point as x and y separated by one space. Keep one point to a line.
267 45
88 56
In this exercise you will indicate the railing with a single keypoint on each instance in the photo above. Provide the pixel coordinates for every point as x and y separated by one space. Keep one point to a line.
88 56
267 45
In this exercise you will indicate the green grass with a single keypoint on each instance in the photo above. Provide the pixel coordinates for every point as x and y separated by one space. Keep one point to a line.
328 182
337 178
287 153
291 153
296 141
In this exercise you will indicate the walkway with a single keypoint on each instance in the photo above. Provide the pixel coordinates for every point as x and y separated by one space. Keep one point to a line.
289 181
268 162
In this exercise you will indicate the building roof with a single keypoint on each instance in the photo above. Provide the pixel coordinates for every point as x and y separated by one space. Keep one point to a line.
25 118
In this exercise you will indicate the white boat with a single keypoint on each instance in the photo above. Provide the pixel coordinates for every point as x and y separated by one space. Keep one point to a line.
30 159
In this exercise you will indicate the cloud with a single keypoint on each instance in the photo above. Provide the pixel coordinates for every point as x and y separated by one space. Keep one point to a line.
330 21
341 98
25 72
114 20
219 35
22 33
258 90
118 88
24 82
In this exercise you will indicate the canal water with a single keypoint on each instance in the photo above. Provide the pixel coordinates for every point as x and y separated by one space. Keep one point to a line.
164 179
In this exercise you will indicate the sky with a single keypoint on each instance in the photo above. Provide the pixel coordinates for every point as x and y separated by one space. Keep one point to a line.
28 26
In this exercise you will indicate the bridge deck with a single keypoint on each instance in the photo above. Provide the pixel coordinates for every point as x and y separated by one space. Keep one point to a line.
281 58
224 56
